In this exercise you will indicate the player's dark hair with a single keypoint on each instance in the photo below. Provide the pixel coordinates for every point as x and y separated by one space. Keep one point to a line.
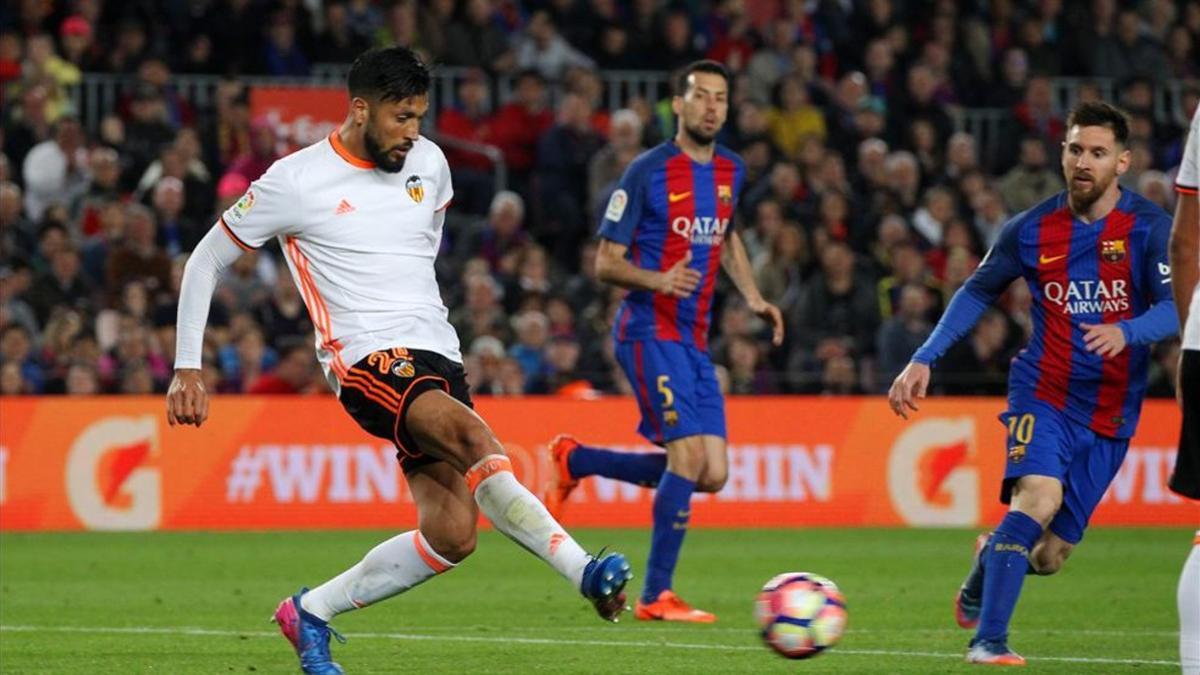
703 66
1100 114
388 74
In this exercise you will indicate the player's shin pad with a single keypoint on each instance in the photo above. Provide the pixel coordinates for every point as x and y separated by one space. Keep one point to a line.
391 568
517 513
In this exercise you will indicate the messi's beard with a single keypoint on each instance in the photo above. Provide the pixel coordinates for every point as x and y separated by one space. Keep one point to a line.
1082 199
380 156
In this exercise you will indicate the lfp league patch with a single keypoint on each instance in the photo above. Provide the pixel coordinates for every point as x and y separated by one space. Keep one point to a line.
239 210
616 205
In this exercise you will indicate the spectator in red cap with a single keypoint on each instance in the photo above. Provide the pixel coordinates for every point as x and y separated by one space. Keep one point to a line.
231 187
262 152
78 45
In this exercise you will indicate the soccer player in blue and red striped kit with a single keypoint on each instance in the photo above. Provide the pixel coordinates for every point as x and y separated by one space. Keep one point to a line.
666 230
1095 260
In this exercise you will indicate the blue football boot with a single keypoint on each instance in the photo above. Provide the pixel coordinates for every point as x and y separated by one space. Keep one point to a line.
603 583
309 636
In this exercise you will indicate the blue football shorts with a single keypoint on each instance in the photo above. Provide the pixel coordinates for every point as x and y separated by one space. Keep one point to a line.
676 388
1042 441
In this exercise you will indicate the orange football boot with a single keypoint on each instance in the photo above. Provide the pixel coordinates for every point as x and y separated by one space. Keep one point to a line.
670 607
994 654
556 490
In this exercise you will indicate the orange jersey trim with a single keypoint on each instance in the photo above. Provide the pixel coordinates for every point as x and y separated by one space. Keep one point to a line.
316 307
1186 189
236 239
342 152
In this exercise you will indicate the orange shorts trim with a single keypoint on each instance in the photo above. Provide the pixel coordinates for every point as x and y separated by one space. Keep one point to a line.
402 408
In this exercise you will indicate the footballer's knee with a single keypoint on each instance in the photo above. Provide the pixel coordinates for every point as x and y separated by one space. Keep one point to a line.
459 547
453 538
473 441
686 458
712 479
1040 509
1040 500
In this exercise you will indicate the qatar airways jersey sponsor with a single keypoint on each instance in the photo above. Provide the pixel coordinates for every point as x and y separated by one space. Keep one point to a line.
702 231
1088 296
1112 271
668 205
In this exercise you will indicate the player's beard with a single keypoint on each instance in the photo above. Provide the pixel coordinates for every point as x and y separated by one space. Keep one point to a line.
1083 198
699 137
382 157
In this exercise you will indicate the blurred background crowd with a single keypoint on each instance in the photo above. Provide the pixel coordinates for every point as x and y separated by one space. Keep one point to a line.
865 207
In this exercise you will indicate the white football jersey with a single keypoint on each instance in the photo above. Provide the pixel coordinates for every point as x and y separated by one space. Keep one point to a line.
1188 181
360 243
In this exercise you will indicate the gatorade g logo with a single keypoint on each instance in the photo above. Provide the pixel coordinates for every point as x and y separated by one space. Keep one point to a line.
109 485
930 479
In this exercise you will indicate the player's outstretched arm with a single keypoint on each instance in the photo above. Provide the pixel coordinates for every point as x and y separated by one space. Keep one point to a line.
999 268
612 267
187 400
908 387
737 266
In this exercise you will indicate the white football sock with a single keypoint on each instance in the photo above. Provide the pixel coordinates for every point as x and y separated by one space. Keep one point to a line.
521 516
1189 612
389 569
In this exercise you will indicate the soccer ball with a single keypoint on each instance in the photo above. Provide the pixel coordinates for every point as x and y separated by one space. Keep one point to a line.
801 614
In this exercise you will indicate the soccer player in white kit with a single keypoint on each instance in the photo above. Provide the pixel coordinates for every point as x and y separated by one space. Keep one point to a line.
359 216
1185 284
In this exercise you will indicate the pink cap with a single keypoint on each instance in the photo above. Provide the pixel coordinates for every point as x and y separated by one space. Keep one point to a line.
231 185
75 25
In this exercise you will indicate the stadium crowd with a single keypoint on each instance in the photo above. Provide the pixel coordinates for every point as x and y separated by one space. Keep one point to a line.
863 209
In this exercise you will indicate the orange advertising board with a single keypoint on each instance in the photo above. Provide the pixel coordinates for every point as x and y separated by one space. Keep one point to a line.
300 462
300 116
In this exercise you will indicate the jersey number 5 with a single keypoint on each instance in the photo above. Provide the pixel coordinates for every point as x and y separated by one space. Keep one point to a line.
668 395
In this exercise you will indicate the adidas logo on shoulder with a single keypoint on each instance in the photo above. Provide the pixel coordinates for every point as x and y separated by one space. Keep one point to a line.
343 208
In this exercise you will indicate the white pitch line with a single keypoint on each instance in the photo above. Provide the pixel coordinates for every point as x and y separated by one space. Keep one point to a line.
150 630
696 629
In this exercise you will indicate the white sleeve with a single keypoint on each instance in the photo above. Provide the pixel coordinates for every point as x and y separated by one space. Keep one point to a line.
270 207
1188 178
212 255
445 186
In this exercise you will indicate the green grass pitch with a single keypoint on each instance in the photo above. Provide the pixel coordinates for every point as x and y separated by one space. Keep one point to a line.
199 603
